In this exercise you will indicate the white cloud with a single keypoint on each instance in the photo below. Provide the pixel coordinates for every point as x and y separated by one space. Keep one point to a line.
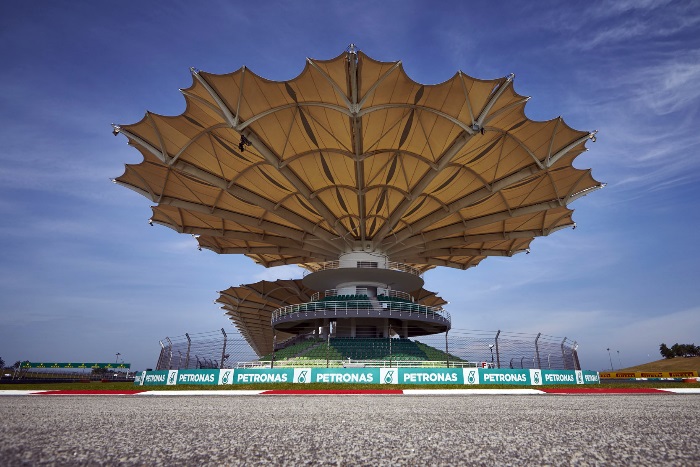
616 7
611 24
670 86
648 123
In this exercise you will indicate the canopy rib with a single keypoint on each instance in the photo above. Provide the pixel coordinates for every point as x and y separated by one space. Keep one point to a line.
460 227
240 192
242 219
444 159
283 242
273 159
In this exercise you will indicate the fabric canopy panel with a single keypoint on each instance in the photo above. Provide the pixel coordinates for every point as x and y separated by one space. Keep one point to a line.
250 307
354 155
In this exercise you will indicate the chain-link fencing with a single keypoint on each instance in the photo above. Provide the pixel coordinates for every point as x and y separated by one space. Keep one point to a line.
458 347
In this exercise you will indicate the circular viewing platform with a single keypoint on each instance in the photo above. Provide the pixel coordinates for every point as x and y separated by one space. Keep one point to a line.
420 319
393 275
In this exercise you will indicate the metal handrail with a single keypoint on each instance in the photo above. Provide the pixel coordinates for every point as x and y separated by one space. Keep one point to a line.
394 266
333 308
361 291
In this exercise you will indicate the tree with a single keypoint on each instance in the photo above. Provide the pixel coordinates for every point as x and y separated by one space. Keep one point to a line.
665 351
2 363
679 350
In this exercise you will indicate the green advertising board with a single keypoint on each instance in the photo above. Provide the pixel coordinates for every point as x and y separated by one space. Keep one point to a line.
453 376
257 376
431 376
208 377
159 378
494 376
346 375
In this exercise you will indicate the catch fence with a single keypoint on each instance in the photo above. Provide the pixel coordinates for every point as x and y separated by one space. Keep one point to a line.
497 349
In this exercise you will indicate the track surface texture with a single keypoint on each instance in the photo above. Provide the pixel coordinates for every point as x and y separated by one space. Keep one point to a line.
350 430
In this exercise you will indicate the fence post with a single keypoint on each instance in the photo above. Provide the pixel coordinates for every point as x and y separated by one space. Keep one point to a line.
537 351
161 357
390 355
187 358
328 345
274 344
563 355
447 350
223 351
170 352
574 353
498 355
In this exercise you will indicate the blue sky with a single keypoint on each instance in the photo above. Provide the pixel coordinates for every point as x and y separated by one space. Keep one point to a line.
83 276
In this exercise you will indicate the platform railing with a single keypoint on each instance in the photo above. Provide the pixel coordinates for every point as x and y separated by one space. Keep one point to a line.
340 308
394 266
360 291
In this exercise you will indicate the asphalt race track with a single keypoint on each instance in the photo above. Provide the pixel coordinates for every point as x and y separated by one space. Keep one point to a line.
350 430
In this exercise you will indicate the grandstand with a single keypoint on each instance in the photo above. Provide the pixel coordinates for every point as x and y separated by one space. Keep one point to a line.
360 348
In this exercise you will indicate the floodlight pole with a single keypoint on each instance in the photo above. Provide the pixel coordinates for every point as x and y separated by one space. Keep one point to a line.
611 363
498 354
187 357
170 352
